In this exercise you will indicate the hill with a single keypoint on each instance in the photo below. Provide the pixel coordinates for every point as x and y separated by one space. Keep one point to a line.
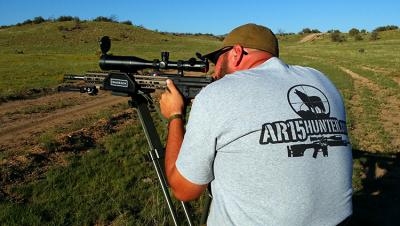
38 55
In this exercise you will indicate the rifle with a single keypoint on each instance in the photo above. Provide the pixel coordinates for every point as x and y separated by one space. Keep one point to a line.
120 75
319 144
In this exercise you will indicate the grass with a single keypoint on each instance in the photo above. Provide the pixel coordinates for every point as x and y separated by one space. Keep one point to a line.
374 131
49 107
113 183
48 141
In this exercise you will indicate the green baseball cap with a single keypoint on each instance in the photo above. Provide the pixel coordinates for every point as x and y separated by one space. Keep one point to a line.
249 36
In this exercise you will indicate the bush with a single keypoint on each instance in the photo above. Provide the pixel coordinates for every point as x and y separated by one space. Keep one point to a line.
309 31
28 21
105 19
128 22
358 37
65 18
306 31
333 31
374 36
353 32
38 20
386 28
363 31
337 37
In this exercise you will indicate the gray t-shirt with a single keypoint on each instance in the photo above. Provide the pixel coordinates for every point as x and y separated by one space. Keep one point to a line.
273 142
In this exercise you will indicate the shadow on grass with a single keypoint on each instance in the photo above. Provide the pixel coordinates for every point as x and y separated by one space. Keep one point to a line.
377 203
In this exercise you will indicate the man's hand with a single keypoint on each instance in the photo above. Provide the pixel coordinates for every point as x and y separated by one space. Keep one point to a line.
171 101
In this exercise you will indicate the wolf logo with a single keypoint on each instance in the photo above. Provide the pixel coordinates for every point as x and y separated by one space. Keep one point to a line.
314 103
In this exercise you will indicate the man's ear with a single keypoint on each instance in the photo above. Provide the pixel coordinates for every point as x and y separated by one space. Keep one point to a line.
237 55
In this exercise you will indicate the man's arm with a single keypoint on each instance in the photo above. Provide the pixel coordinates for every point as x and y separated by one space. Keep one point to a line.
172 103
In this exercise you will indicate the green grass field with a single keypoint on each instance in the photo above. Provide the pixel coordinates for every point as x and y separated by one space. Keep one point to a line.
113 183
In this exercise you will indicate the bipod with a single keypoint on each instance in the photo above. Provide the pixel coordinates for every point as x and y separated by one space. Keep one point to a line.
141 103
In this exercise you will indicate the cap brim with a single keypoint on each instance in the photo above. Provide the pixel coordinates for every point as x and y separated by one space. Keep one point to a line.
213 56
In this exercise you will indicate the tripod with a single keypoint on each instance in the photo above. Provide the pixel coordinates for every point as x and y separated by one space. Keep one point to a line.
141 103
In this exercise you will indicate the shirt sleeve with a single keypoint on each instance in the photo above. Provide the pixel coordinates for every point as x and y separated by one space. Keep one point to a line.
196 157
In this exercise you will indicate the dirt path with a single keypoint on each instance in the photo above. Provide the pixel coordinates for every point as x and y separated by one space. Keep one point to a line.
389 115
17 127
395 75
311 37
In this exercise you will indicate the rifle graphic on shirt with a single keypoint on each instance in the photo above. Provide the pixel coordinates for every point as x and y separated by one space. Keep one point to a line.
319 144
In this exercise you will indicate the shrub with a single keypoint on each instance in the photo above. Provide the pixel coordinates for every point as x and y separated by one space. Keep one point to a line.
65 18
28 21
374 36
353 32
309 31
104 19
38 20
363 31
337 37
48 142
358 37
386 28
128 22
306 31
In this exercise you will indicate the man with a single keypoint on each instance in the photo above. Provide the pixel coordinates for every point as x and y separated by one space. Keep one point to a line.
270 138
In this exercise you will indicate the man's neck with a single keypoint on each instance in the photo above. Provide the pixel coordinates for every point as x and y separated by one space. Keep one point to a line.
256 59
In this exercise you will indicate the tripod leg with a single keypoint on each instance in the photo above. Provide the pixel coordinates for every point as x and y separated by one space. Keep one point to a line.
154 158
185 209
140 103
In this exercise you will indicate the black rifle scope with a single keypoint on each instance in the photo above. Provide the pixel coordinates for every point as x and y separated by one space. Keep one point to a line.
133 64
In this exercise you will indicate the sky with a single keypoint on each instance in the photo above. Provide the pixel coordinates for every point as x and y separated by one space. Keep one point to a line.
213 16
